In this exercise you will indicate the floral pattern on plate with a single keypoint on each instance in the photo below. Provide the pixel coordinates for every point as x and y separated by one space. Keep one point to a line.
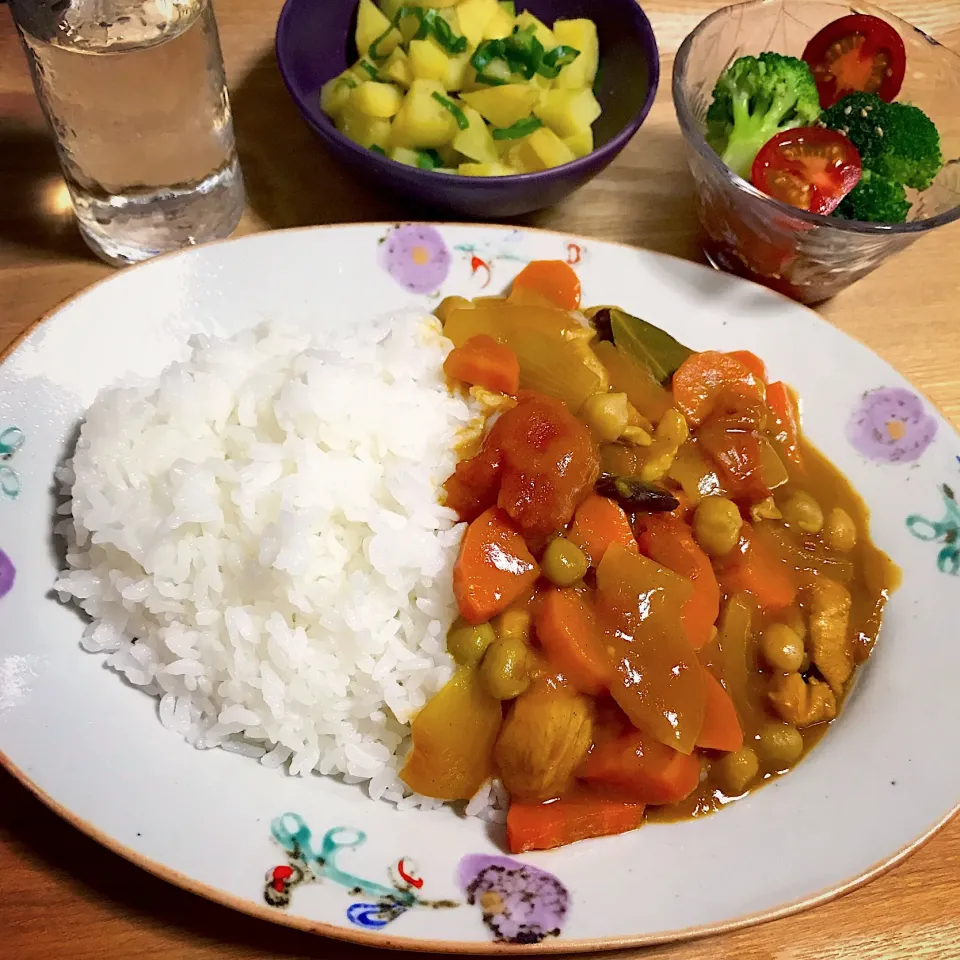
416 256
520 903
8 574
945 531
11 440
890 425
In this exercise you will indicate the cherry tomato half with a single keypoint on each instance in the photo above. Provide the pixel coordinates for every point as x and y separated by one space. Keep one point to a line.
856 53
809 167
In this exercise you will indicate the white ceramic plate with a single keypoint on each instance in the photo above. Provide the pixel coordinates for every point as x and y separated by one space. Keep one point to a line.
93 748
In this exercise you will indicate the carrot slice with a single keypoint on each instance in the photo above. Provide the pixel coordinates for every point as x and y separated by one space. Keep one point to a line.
554 280
641 768
783 403
752 568
543 826
598 522
721 727
670 542
494 567
752 362
484 362
569 634
706 382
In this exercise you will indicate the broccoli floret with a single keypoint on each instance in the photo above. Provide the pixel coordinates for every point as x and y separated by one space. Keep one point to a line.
913 154
896 141
860 117
874 200
754 99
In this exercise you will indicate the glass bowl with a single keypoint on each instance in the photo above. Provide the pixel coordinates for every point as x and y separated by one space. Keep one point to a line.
804 255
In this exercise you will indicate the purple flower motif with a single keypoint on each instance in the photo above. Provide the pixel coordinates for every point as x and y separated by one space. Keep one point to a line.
8 574
891 425
416 257
520 903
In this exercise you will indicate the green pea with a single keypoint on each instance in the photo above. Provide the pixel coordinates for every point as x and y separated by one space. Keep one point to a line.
505 668
467 644
564 563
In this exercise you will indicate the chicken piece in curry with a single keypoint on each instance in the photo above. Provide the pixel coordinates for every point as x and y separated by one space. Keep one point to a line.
664 590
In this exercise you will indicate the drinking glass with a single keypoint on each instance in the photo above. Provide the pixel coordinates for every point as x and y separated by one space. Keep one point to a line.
135 95
805 255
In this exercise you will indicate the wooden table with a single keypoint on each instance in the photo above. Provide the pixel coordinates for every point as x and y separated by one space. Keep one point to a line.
64 896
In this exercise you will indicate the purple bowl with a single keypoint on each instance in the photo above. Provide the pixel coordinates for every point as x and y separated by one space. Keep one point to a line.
315 43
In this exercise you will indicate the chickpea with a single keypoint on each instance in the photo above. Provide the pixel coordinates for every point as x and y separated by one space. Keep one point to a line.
840 532
716 525
467 644
737 770
606 414
782 648
514 625
778 745
800 510
505 668
564 563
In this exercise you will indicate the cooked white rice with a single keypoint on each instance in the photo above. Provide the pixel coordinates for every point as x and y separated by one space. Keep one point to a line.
257 537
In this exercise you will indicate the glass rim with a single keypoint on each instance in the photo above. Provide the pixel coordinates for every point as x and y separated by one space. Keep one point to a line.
695 138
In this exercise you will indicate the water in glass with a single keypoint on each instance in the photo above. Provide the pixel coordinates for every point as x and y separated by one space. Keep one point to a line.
134 91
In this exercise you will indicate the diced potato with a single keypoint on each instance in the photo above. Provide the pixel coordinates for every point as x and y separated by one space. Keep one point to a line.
474 17
406 156
377 99
568 112
476 142
457 71
390 7
335 93
514 157
582 36
365 130
544 149
437 4
509 6
499 26
580 144
504 106
540 30
371 23
484 170
397 68
421 120
429 62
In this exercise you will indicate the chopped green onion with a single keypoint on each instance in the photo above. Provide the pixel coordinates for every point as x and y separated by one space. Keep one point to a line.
349 82
523 52
370 69
483 56
376 148
453 110
433 22
401 14
429 159
521 128
556 59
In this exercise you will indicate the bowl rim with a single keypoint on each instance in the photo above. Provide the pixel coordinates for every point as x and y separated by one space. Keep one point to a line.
693 134
581 167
